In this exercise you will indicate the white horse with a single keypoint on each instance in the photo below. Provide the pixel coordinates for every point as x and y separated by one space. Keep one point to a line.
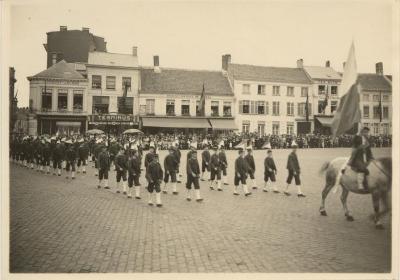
379 183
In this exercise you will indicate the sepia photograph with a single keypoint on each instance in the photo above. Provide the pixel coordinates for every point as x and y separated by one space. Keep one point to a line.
187 138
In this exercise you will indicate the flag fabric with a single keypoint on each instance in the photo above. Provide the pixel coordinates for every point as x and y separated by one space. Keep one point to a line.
202 103
307 112
348 112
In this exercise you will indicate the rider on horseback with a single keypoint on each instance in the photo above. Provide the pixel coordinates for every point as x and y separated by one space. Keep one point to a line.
361 155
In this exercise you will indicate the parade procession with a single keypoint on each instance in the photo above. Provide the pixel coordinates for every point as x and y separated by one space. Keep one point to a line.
234 145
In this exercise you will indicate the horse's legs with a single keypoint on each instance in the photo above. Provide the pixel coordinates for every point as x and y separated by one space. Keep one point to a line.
343 198
375 202
326 190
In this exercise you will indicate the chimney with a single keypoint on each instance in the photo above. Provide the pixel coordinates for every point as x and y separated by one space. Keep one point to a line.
344 65
63 28
85 29
226 59
134 51
327 63
379 68
156 60
300 63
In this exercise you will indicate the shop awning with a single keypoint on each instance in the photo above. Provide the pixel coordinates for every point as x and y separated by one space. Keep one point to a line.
176 122
223 124
326 122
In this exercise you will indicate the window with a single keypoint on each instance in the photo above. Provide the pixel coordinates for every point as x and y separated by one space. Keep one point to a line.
275 108
110 82
214 108
100 104
46 99
375 98
290 128
244 107
126 82
385 112
333 106
150 106
261 89
385 98
78 100
366 112
246 126
334 90
125 105
96 81
227 109
170 108
321 109
62 103
53 58
290 108
304 91
246 89
376 112
261 107
261 129
376 128
365 97
290 91
185 108
301 109
275 91
275 128
321 89
385 128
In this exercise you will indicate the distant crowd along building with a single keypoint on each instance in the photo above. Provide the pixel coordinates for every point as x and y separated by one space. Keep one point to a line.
86 87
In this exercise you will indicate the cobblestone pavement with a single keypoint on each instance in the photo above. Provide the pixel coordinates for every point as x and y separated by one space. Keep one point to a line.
60 225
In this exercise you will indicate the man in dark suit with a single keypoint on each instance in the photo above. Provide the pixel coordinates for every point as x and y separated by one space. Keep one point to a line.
293 168
241 170
171 165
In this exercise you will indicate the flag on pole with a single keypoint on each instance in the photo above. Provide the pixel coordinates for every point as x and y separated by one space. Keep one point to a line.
202 103
348 112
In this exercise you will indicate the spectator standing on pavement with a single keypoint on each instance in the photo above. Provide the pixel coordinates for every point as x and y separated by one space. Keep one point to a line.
154 175
293 167
241 170
205 161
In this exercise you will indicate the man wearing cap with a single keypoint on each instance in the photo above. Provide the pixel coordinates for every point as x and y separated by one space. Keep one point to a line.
224 164
97 148
293 167
171 165
46 152
133 172
58 157
103 162
114 148
83 154
121 167
154 175
205 161
269 172
70 157
250 161
241 170
193 172
215 167
149 156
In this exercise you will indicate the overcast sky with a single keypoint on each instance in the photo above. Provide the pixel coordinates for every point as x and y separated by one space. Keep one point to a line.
195 34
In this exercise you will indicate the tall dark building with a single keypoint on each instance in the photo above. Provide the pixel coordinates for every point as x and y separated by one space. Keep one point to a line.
72 45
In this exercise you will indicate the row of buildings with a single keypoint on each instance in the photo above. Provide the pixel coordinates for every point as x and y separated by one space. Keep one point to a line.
85 87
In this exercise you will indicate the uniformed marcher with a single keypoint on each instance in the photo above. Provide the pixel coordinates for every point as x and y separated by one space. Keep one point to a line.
83 155
270 172
149 156
97 148
171 166
193 174
70 156
134 171
224 164
121 168
46 155
250 161
154 175
241 170
215 169
58 156
103 162
178 155
293 168
205 162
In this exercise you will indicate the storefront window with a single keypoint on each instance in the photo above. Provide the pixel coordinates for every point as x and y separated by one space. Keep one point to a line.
100 104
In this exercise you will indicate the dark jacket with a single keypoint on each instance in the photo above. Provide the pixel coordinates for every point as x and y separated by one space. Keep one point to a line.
148 159
46 151
241 166
177 154
59 152
250 161
83 150
214 162
103 160
154 172
121 162
293 163
170 163
193 167
134 166
269 164
70 154
205 156
222 159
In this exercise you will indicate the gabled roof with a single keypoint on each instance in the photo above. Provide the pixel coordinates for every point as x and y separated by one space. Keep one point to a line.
268 74
60 70
184 81
112 59
374 82
322 73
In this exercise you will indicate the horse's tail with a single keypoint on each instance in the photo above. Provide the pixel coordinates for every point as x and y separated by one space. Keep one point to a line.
324 167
